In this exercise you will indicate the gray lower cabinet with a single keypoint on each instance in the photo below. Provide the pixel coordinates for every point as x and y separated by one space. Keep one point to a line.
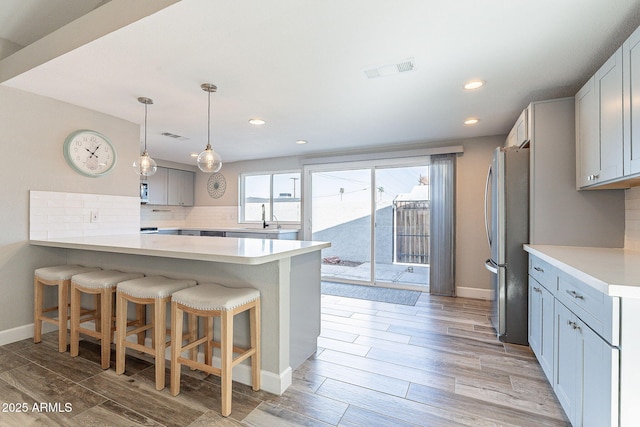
258 235
567 382
586 380
541 309
582 366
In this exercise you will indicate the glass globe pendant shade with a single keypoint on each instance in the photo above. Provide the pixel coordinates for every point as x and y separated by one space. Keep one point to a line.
209 161
145 165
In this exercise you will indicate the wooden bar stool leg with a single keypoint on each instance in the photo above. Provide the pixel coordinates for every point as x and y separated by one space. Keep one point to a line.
97 315
208 349
141 316
38 300
254 319
75 321
226 347
160 338
121 331
176 347
105 326
63 314
193 335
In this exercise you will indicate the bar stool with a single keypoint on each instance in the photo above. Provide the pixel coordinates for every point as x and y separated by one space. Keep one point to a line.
103 284
155 291
211 300
60 276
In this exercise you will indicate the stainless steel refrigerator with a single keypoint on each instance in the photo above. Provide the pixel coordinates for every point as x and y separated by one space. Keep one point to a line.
507 224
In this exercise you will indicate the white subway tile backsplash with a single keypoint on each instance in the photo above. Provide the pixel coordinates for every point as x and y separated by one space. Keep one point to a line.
59 214
632 219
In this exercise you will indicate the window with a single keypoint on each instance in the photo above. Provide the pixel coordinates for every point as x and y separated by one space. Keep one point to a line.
279 193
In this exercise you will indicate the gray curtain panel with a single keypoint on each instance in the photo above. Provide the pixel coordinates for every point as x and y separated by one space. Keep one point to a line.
442 243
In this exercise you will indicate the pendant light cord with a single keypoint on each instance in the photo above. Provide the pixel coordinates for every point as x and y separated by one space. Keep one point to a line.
209 123
145 127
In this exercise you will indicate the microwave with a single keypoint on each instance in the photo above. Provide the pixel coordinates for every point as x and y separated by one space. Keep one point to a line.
144 192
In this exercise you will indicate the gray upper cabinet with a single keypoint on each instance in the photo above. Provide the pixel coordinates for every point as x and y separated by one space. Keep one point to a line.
158 187
587 140
171 187
180 187
608 122
599 123
631 74
519 134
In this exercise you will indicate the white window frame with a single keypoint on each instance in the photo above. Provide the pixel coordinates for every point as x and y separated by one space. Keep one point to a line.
241 196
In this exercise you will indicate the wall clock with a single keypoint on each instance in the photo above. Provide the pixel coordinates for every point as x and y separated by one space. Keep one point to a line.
216 185
89 153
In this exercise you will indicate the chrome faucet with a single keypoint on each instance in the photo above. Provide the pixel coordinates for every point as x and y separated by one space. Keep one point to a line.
264 222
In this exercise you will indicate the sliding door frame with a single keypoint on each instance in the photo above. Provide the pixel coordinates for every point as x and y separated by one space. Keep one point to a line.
372 165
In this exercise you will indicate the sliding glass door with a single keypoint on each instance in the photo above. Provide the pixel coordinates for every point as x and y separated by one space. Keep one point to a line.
376 216
402 225
341 214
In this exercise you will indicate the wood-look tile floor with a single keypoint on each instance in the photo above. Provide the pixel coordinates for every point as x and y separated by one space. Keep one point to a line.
437 363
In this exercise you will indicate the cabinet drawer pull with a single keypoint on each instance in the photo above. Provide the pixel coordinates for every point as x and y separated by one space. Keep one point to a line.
541 270
575 295
574 325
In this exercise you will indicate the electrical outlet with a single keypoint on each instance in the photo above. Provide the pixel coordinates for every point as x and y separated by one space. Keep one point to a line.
95 216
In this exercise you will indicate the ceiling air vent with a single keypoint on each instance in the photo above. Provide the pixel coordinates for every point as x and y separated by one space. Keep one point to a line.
390 69
174 136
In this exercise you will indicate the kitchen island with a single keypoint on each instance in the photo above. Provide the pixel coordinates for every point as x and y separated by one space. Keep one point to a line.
286 272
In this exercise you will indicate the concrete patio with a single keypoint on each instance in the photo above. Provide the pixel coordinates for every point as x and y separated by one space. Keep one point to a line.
385 273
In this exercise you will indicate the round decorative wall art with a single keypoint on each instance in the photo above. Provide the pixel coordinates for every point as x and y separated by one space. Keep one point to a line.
216 185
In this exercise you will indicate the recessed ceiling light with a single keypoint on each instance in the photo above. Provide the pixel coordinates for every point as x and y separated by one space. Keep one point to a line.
257 122
473 84
471 121
301 142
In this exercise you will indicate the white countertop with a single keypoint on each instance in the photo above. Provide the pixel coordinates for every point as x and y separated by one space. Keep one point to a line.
217 249
613 271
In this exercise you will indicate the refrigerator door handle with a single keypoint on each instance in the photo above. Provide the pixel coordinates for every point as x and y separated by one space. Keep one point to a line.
491 266
486 205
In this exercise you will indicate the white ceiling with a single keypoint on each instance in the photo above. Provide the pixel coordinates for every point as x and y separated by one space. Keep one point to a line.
299 65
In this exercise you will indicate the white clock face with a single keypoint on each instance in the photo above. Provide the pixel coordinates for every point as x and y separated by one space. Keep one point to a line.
89 153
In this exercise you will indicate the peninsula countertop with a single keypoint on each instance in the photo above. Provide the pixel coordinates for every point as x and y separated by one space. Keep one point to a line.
613 271
216 249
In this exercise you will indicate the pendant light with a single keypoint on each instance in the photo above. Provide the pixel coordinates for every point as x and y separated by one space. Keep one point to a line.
209 161
145 165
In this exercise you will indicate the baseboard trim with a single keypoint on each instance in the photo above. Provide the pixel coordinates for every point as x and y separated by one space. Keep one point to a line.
23 332
475 293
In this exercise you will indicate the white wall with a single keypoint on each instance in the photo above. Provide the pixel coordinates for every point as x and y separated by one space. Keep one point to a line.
32 131
472 249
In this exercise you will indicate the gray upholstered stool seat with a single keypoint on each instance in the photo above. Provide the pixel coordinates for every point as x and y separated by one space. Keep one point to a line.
211 300
101 283
155 291
60 276
211 296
